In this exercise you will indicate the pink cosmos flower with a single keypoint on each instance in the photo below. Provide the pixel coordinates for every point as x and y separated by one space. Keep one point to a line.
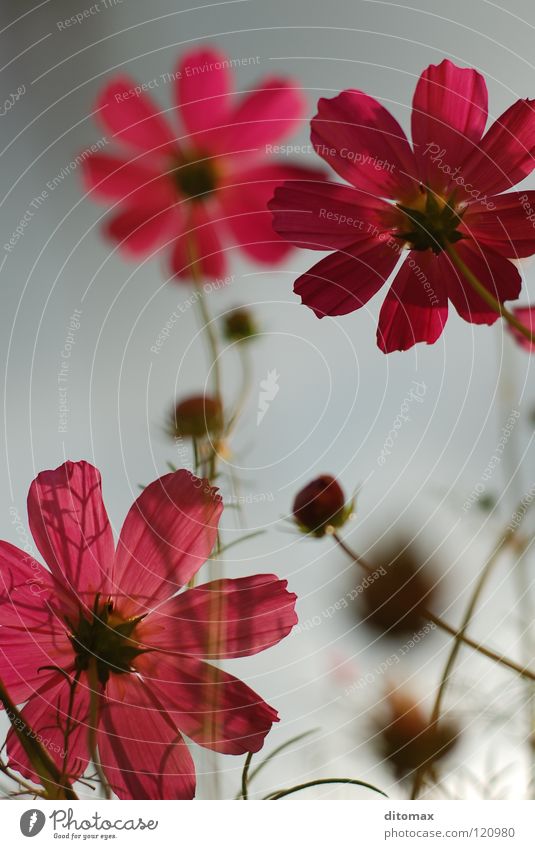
415 203
111 615
204 188
526 315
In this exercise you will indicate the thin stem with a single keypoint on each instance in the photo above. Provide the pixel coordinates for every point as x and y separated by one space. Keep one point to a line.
211 336
28 788
245 389
245 776
55 785
506 538
250 776
282 793
94 711
484 293
459 634
207 321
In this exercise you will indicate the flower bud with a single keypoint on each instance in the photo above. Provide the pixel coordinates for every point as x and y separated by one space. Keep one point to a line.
239 325
195 417
321 506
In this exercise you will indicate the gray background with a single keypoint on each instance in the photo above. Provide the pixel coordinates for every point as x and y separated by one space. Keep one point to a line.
339 395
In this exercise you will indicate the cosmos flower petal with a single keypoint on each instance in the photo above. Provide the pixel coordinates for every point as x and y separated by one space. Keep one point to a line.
27 649
145 225
416 306
133 119
167 535
210 706
245 206
318 215
346 280
449 114
503 223
113 177
494 271
507 151
46 714
262 117
71 528
365 145
525 314
202 90
227 618
141 750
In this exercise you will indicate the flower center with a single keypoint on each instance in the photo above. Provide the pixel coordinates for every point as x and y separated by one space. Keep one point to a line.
194 176
432 223
107 639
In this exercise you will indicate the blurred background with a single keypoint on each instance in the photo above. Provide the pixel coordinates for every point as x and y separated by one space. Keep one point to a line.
338 394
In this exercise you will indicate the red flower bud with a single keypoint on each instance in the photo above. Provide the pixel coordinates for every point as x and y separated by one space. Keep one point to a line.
321 505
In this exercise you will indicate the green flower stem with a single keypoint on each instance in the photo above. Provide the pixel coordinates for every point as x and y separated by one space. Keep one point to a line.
459 634
506 539
484 293
282 793
94 712
55 785
247 777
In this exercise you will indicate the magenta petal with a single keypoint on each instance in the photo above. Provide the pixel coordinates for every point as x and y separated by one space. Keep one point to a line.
450 108
203 92
145 225
117 178
167 535
525 314
263 116
71 528
500 277
210 706
141 751
227 618
245 205
46 714
507 151
325 216
506 223
132 118
416 306
365 145
199 244
346 280
32 633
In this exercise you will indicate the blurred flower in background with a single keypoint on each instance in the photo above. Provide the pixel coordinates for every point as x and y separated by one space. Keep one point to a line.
203 188
195 417
407 739
394 603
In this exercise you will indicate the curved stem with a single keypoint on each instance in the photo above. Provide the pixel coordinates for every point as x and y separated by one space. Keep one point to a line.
245 776
282 793
459 634
484 293
207 321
